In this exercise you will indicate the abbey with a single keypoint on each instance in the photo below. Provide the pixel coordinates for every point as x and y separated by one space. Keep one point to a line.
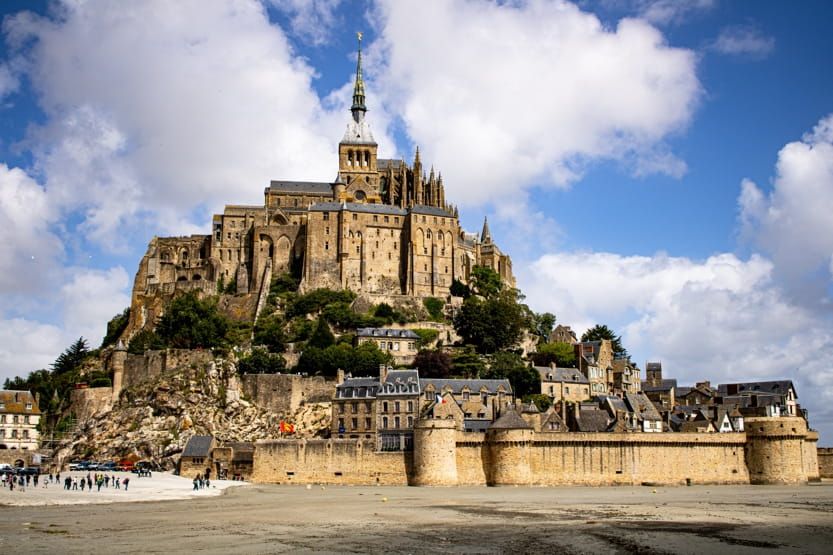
382 227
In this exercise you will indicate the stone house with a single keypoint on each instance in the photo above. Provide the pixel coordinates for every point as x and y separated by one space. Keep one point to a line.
197 458
397 408
624 377
563 383
595 361
479 400
700 395
354 408
563 334
19 418
401 344
646 416
780 393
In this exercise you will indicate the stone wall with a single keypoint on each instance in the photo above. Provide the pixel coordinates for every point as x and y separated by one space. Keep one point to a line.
89 401
286 392
332 461
825 455
151 364
552 459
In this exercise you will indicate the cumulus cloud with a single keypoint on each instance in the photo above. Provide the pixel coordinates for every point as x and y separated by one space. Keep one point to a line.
30 251
91 298
9 82
311 20
792 221
162 108
743 40
504 95
27 345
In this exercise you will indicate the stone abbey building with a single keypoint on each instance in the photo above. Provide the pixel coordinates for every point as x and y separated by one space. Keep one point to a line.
382 227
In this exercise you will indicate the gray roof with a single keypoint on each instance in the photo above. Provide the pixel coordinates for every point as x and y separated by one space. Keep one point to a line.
458 385
616 403
510 420
386 332
549 374
665 386
309 187
358 207
198 446
384 163
431 210
777 387
592 421
399 382
475 425
357 388
642 406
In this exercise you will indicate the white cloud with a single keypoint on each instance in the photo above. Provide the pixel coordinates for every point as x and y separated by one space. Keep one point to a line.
504 95
29 252
26 345
664 12
9 82
743 40
792 222
91 298
312 20
162 108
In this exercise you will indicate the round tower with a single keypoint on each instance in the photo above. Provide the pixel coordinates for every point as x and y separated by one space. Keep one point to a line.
775 450
509 439
435 452
117 360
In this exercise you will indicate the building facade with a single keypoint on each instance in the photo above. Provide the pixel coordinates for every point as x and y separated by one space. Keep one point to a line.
19 418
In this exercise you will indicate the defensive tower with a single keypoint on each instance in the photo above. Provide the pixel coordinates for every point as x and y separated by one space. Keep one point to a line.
435 452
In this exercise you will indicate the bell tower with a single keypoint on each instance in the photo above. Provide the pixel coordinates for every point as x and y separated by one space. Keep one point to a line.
357 149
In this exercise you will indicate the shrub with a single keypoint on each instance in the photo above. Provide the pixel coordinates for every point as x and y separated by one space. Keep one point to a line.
434 306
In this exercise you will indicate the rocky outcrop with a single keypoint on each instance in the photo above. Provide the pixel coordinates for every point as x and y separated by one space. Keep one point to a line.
154 419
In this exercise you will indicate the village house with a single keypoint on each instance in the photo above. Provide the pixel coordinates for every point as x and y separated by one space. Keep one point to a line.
563 383
401 344
19 418
775 398
595 361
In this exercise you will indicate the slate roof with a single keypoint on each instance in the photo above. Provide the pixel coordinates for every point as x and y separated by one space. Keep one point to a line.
642 406
592 421
475 425
398 382
510 420
14 402
572 375
387 332
777 387
431 211
473 385
666 385
309 187
358 207
357 388
198 446
385 163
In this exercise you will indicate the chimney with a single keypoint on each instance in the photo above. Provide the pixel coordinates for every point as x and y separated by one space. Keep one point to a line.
383 372
339 376
552 365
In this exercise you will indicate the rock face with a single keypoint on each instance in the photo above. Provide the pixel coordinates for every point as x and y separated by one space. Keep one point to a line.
153 420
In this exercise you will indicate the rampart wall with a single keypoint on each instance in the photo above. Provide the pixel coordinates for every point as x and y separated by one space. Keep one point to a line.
286 392
151 364
88 401
549 459
825 455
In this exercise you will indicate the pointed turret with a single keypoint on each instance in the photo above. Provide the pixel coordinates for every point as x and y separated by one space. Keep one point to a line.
358 107
486 235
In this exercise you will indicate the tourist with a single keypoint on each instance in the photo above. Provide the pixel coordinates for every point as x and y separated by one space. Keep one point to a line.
126 481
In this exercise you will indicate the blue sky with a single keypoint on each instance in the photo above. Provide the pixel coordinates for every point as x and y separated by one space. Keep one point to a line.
662 167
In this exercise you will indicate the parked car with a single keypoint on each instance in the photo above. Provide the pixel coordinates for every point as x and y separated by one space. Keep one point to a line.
109 466
77 465
125 466
29 470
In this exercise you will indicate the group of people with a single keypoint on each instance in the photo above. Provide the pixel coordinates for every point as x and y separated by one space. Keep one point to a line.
202 480
99 480
10 480
69 483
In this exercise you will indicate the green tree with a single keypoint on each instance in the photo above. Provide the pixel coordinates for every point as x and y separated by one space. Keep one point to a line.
322 337
261 361
459 289
465 363
562 354
145 340
485 282
433 363
269 332
524 380
434 306
426 336
492 324
72 357
191 323
601 331
542 325
115 327
316 300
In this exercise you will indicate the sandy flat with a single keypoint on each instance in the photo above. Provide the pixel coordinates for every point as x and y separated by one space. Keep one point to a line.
341 519
159 487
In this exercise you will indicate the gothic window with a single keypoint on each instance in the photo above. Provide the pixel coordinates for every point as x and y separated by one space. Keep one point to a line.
428 234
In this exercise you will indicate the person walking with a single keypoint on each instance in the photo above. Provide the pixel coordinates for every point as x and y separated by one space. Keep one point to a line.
83 484
126 482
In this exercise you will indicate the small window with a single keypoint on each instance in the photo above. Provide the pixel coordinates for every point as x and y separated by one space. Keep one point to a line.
375 218
326 245
355 217
326 217
387 219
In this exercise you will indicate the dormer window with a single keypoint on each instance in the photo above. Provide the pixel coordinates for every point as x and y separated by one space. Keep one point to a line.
28 406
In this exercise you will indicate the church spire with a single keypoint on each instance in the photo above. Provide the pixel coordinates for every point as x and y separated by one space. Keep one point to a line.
486 235
358 107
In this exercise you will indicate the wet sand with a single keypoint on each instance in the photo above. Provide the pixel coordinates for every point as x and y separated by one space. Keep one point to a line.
336 519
